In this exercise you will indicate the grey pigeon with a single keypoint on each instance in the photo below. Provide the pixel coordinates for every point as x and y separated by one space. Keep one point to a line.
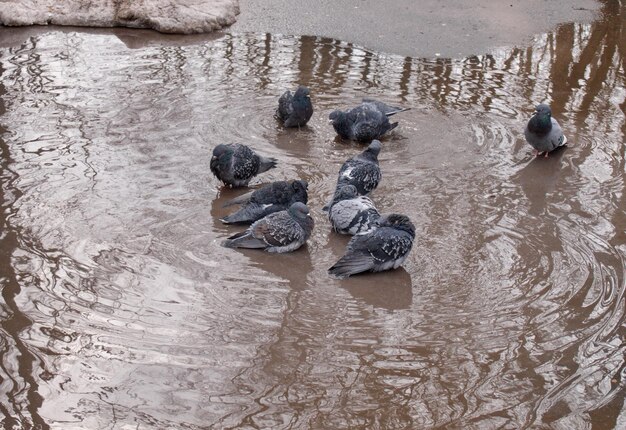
274 197
278 232
362 171
383 248
543 132
295 110
350 213
236 164
366 122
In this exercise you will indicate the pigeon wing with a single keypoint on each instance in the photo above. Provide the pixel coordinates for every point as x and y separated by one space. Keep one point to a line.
557 138
354 215
387 244
245 163
364 176
285 107
278 229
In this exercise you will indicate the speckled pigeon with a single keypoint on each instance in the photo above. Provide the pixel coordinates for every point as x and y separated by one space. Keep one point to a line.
236 164
543 132
278 232
367 121
362 171
295 110
383 248
274 197
350 213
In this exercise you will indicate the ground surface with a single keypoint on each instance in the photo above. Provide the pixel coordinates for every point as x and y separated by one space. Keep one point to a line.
415 29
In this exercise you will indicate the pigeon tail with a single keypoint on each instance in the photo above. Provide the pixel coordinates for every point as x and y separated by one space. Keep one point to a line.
393 125
397 111
237 217
267 163
249 213
239 200
351 264
243 240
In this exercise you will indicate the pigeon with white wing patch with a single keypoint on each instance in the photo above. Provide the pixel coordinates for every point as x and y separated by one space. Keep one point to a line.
383 248
352 214
279 232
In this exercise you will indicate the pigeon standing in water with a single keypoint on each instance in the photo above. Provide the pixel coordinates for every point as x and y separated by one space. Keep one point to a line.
366 122
274 197
543 132
295 110
278 232
236 164
362 171
350 213
383 248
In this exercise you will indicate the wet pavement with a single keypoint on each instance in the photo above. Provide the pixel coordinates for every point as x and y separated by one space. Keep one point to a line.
416 29
119 309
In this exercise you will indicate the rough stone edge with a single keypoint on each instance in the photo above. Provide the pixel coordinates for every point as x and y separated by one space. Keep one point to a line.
13 14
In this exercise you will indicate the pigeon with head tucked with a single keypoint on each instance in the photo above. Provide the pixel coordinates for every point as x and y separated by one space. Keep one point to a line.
383 248
362 171
366 122
295 110
279 232
274 197
543 132
235 164
350 213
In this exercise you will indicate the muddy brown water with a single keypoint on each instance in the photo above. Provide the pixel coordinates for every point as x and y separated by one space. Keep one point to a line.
120 310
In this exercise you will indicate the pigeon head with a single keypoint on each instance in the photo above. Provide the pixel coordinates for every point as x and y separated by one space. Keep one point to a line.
541 122
340 122
221 150
299 210
543 109
302 92
400 222
300 190
374 148
336 117
346 192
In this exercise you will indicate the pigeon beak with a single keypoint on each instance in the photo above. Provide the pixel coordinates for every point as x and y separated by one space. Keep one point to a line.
213 158
330 121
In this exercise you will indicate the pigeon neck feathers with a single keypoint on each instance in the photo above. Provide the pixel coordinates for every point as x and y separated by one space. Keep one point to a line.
372 151
540 124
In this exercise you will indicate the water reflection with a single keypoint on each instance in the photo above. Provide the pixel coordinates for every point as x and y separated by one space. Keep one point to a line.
120 308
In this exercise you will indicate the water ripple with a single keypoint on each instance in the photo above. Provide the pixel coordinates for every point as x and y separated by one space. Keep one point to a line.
121 308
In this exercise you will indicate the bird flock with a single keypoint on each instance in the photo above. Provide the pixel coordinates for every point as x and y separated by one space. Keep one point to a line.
278 215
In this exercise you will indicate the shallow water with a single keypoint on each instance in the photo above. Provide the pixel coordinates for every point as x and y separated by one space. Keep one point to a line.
120 310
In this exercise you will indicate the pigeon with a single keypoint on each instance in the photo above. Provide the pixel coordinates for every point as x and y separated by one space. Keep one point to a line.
274 197
236 164
366 122
295 110
352 214
383 248
279 232
543 132
362 171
